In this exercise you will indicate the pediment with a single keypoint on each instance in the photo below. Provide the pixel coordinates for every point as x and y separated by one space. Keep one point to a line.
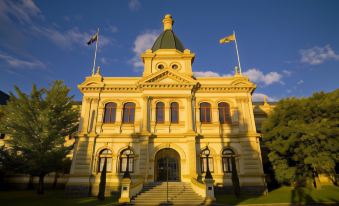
167 77
241 83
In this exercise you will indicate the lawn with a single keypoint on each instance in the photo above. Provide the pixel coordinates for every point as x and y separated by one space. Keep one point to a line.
285 195
50 198
281 195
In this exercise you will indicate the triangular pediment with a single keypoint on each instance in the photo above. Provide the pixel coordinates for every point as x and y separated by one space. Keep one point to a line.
167 76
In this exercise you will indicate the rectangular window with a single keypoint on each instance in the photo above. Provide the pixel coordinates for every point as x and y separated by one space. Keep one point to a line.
227 164
123 165
204 164
108 164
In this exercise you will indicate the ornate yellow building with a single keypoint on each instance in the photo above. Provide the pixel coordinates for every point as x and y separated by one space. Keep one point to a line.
164 119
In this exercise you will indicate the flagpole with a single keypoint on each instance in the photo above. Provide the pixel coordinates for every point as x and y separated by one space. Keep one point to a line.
236 47
95 53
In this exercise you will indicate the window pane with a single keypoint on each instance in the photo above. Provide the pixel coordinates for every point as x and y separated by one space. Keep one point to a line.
109 165
202 115
125 115
131 117
123 164
208 115
107 116
113 114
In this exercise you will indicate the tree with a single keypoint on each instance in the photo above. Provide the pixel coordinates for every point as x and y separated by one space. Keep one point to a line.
303 137
37 125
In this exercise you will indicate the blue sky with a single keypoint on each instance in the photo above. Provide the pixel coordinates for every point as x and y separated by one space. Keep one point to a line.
288 48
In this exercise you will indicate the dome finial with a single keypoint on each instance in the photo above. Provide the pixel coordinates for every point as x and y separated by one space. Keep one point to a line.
168 22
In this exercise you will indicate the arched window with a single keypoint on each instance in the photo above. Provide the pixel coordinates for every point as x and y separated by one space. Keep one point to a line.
128 112
127 153
160 112
110 112
174 112
228 160
203 163
105 154
224 113
205 112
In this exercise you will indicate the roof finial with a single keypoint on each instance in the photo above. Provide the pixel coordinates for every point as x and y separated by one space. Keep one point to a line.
168 22
265 101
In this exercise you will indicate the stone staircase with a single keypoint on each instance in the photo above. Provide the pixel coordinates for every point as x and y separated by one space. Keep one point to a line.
178 193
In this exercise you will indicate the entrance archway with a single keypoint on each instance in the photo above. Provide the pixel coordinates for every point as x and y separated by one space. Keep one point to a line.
167 165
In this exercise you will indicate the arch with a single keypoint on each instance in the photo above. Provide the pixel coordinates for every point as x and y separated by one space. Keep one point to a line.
236 153
177 148
167 165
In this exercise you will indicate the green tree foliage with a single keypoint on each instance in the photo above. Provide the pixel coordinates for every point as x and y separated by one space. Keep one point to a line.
303 137
37 125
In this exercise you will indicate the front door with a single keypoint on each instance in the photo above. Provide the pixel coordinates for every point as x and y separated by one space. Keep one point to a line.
168 169
167 165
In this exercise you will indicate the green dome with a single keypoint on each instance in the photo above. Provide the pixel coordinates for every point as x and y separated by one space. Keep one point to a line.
168 40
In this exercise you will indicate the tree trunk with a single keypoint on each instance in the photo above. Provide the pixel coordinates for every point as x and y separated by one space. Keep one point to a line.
102 185
30 185
55 182
235 178
41 184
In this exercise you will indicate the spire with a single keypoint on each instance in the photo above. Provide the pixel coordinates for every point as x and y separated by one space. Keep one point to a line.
168 22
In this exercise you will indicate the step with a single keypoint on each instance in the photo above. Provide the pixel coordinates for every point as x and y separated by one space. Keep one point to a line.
176 192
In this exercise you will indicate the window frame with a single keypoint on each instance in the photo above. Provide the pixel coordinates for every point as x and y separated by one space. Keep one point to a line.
101 158
224 111
159 109
124 157
227 158
111 113
176 110
205 109
203 168
127 108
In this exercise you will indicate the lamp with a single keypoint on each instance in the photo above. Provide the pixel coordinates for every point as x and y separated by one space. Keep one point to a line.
127 152
207 153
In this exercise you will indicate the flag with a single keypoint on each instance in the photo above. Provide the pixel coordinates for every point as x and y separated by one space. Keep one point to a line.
227 39
94 38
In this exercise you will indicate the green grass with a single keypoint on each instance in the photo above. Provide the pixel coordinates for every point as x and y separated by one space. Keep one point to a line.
285 195
50 198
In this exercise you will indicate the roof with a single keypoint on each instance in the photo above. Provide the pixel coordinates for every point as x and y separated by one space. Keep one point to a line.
3 98
168 40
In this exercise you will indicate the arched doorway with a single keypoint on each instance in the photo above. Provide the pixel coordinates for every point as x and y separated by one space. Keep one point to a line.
167 165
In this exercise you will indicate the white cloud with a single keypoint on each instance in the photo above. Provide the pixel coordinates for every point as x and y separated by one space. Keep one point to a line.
15 62
259 97
258 76
143 42
69 38
318 55
206 74
134 5
23 10
287 72
113 29
300 82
